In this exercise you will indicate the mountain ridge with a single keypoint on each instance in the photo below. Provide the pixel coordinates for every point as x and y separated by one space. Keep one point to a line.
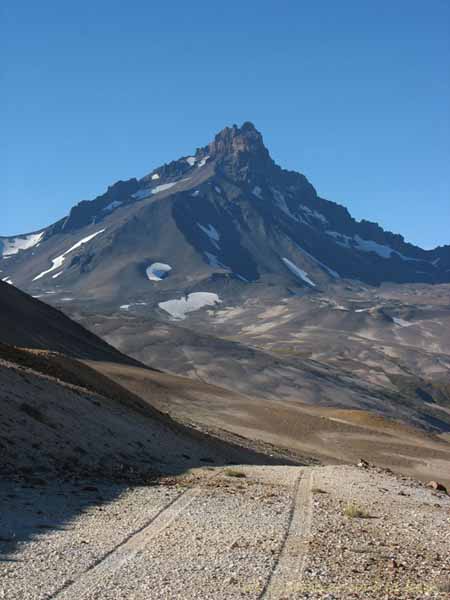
216 147
229 212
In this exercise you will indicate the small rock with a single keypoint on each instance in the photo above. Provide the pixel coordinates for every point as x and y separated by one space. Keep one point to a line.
435 485
393 564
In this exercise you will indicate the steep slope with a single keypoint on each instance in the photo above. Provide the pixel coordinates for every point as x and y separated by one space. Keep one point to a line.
27 322
227 217
61 417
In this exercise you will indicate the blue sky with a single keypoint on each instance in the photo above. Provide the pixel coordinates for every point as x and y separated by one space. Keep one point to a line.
354 94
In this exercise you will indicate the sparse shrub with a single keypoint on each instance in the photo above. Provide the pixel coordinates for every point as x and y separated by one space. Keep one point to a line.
234 473
355 512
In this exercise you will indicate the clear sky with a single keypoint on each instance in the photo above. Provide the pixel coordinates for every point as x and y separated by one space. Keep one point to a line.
355 94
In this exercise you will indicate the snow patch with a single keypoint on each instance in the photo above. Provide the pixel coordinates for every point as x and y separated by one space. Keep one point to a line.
112 206
141 194
371 246
10 246
59 260
402 322
298 272
147 192
178 308
313 213
340 238
195 193
219 191
316 260
191 160
280 201
158 271
363 245
163 187
210 231
213 261
8 280
257 191
202 163
155 176
128 306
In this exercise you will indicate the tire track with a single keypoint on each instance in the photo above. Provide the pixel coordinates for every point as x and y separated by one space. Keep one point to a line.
286 577
127 550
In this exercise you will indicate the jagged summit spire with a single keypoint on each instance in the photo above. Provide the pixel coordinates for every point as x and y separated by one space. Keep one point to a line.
240 149
245 136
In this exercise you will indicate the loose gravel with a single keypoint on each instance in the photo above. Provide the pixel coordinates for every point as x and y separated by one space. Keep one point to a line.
51 535
223 534
399 549
224 545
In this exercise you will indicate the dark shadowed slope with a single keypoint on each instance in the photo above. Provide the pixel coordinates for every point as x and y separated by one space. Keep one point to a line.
30 323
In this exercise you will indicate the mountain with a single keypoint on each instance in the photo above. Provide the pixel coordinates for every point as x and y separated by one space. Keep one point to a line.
253 264
288 321
225 218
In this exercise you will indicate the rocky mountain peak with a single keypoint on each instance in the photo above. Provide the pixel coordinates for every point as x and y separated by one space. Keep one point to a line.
241 150
236 139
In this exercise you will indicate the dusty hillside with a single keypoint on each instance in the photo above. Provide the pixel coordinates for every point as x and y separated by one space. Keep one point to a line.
305 431
326 434
28 322
61 418
383 350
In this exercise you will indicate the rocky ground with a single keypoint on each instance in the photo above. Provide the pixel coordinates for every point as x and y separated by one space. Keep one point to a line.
223 533
374 535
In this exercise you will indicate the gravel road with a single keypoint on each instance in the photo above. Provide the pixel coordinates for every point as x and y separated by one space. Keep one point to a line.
246 532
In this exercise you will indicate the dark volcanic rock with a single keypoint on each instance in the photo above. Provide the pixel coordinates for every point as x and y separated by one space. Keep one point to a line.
87 212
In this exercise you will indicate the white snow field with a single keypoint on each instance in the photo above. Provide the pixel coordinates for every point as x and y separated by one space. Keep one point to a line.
57 262
178 308
158 271
298 272
10 246
369 246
